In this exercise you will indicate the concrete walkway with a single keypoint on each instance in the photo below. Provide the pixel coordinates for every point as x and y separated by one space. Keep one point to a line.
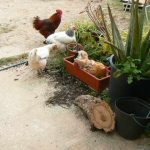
17 16
26 123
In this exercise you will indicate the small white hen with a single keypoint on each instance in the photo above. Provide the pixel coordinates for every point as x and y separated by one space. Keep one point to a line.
62 38
37 58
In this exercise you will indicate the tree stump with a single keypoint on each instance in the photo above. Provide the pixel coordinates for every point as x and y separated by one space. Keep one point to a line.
98 112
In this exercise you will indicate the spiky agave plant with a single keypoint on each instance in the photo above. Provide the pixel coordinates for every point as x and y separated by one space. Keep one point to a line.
133 57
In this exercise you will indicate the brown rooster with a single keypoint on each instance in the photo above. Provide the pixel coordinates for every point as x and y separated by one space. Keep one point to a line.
48 26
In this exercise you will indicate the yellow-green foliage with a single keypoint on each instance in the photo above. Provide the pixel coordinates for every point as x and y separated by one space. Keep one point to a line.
90 38
8 60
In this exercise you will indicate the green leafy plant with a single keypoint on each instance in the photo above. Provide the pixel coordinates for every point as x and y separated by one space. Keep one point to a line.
130 67
132 56
14 59
88 35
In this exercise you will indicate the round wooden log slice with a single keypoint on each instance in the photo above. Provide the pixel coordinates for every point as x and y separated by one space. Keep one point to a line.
102 116
98 112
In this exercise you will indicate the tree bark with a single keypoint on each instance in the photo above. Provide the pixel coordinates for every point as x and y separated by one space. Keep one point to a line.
98 112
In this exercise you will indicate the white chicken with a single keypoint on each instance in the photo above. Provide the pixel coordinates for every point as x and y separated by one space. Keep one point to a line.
62 38
37 58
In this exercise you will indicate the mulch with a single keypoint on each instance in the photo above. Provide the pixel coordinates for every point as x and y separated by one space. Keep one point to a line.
68 89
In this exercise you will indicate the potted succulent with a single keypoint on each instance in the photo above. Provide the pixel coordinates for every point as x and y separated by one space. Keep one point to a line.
130 62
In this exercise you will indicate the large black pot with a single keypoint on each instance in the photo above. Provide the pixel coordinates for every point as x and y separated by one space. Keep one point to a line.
141 89
132 116
118 87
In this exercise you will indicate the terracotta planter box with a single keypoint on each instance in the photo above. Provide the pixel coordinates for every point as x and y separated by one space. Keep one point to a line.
98 84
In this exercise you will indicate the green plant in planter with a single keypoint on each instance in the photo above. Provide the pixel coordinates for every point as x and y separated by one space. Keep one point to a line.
88 35
133 57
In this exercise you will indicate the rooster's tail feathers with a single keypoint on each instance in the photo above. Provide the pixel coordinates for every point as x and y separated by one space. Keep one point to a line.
37 23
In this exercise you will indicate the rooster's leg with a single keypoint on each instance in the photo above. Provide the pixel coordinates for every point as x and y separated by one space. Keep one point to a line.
39 72
45 69
44 42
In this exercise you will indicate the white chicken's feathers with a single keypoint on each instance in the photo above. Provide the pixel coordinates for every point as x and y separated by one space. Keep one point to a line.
37 58
61 37
42 52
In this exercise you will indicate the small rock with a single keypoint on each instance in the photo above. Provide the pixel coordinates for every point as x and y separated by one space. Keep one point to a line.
16 79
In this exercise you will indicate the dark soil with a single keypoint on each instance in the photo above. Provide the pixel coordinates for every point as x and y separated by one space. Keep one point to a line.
69 88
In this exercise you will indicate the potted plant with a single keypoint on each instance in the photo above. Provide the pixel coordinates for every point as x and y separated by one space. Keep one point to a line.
88 40
130 62
73 48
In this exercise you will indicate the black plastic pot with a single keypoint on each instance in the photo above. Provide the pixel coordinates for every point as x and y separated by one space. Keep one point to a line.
118 87
132 116
141 89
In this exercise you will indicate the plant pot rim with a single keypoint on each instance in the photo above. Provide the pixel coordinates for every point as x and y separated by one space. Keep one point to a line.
111 59
140 101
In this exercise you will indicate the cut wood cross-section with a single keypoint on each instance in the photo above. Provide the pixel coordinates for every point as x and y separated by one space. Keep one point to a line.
98 112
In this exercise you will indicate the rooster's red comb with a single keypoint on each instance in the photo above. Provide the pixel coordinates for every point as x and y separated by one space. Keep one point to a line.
59 11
